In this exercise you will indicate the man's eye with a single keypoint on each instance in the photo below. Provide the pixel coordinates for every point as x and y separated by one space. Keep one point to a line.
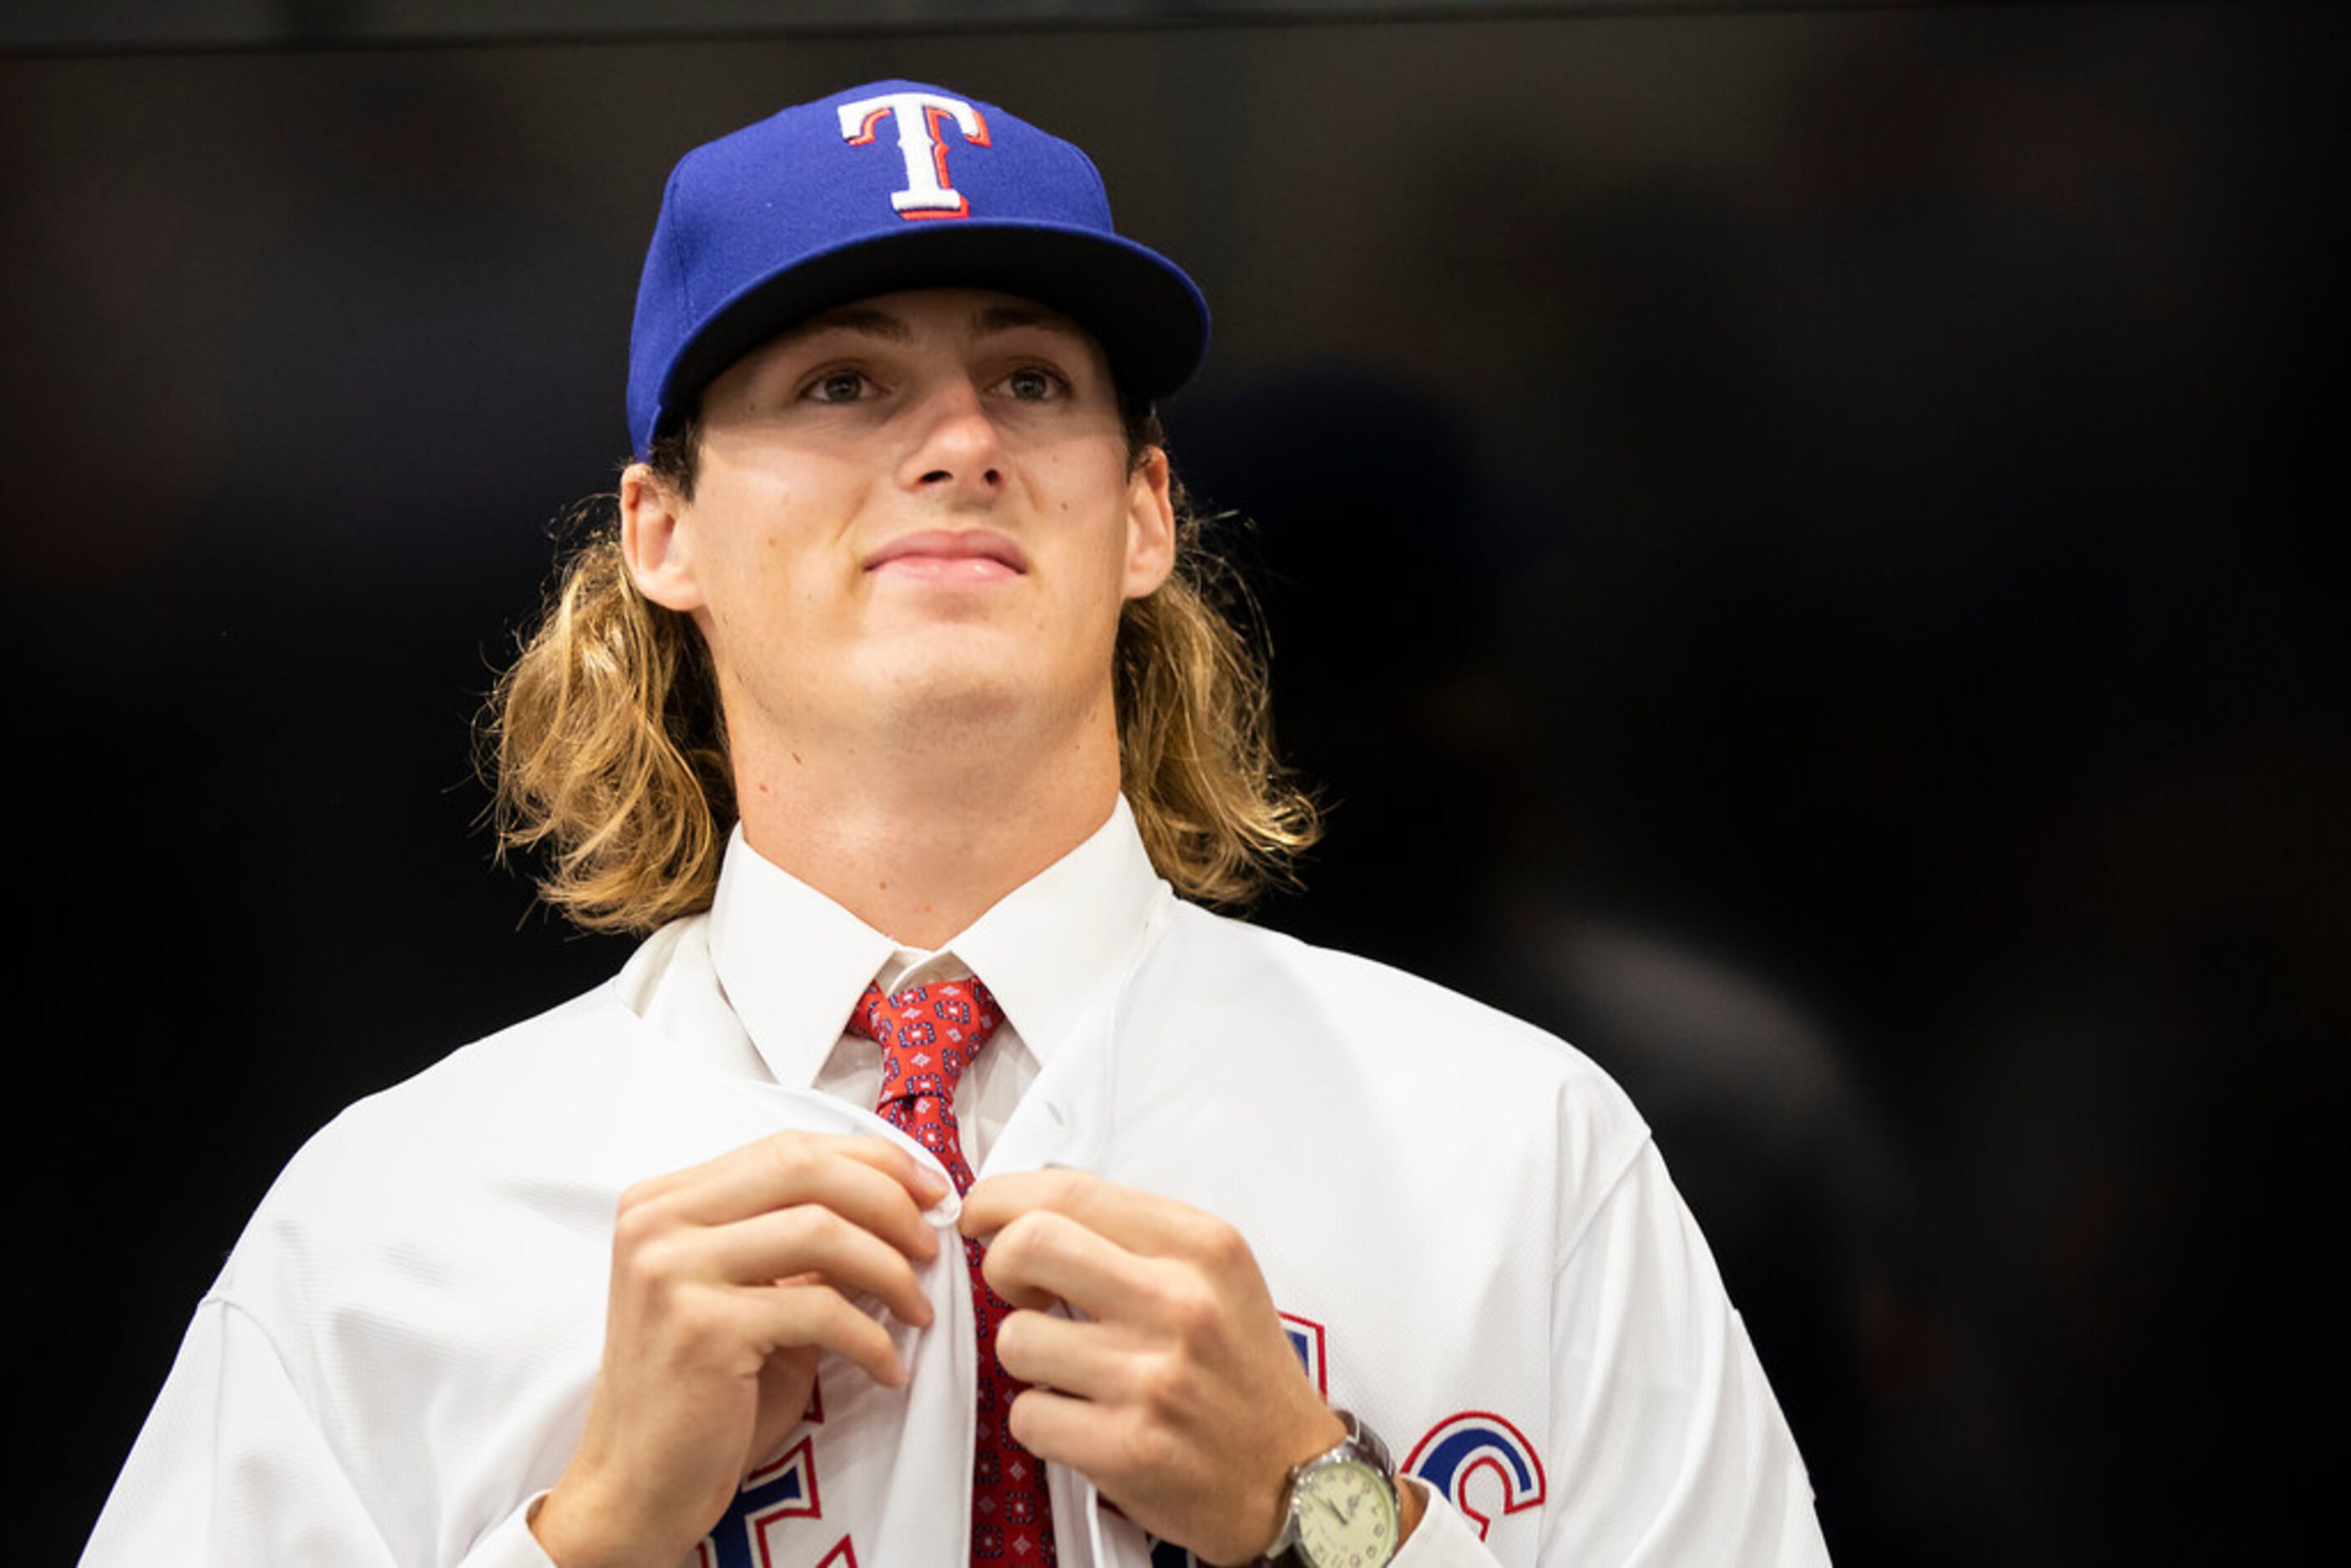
1033 385
837 386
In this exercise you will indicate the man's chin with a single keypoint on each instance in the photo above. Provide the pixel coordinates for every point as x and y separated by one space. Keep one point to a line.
976 687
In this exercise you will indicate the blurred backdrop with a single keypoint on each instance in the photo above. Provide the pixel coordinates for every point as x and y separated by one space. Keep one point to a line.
1794 543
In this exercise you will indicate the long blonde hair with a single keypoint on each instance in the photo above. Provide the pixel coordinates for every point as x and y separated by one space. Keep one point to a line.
606 746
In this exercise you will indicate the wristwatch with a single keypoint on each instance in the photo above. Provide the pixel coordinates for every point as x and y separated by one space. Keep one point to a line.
1338 1509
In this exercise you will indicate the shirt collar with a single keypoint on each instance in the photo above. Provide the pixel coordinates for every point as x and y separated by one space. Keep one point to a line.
792 962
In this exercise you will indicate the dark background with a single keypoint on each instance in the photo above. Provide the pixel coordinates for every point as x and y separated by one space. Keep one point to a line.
1794 539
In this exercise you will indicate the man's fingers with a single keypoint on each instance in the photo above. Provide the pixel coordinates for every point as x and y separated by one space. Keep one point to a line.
810 1240
1078 1359
1139 1221
785 1317
1055 1427
1042 1257
785 1383
870 1181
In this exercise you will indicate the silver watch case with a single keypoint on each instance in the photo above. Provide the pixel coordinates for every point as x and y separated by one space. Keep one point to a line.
1359 1449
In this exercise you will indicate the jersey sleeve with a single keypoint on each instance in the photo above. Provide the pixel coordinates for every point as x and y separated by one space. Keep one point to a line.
231 1470
1443 1539
1668 1445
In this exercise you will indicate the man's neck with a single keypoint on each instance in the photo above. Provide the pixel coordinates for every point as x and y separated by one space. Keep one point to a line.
920 846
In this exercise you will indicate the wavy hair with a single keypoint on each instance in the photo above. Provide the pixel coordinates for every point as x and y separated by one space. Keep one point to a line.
605 743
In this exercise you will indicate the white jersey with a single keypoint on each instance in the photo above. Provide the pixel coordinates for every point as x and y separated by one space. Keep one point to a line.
1475 1245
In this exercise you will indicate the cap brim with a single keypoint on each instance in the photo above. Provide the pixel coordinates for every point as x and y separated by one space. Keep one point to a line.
1149 318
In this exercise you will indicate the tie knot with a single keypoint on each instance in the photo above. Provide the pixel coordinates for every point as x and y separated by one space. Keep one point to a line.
928 1034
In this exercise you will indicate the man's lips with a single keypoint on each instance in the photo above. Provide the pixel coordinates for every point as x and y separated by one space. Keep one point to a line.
950 555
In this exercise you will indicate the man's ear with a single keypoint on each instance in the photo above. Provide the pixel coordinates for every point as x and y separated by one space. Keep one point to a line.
655 540
1150 525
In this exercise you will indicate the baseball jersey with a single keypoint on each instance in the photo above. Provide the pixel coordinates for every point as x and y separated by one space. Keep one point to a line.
1472 1241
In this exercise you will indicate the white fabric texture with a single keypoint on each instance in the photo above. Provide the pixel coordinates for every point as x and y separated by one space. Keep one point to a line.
1477 1246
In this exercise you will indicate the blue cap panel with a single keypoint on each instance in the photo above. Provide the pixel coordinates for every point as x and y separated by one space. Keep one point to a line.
891 185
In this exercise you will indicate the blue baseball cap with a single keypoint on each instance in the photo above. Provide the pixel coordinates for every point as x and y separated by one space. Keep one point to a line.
893 185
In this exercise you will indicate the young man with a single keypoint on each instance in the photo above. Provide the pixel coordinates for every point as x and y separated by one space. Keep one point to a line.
892 709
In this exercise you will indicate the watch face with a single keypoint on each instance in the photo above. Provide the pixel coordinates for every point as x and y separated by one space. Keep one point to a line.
1346 1516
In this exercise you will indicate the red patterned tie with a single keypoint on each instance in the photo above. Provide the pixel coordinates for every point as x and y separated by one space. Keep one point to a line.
928 1035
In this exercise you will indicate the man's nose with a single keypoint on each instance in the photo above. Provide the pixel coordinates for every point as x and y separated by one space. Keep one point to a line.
957 449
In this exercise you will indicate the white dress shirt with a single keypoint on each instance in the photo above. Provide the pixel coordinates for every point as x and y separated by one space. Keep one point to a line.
1463 1221
788 964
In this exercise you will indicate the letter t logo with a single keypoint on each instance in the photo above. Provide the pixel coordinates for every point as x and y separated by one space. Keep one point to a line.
927 193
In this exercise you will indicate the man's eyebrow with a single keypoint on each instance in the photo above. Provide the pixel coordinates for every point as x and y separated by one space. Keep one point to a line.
993 318
859 319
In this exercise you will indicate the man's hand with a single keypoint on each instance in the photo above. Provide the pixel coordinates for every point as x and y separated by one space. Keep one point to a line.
1176 1390
728 1279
